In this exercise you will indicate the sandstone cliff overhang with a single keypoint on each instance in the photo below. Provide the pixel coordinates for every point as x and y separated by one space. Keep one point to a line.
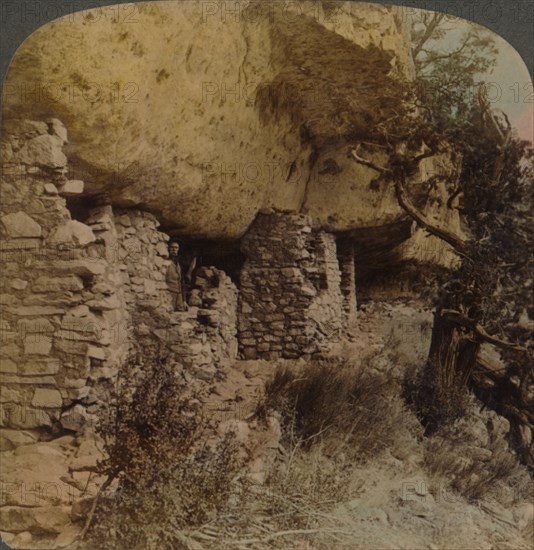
206 118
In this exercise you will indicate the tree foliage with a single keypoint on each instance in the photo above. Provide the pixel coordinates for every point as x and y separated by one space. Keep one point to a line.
489 297
448 72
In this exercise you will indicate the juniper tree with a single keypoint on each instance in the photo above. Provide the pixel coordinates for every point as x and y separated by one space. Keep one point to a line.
488 297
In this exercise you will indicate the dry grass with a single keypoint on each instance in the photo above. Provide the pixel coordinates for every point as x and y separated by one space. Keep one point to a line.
342 404
475 470
334 413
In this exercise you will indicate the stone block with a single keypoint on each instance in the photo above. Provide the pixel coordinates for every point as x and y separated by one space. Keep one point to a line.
96 352
61 299
29 380
23 417
47 398
19 224
274 317
37 346
50 189
8 395
74 232
44 150
106 303
307 290
75 394
71 187
77 267
203 372
103 288
8 299
33 368
71 347
35 311
149 286
92 334
19 284
70 283
7 366
74 419
10 349
87 324
289 272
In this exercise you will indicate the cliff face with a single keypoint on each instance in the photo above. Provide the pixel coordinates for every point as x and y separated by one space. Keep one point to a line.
206 117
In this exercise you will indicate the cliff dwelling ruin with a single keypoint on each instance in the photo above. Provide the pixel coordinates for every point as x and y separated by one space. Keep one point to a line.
234 136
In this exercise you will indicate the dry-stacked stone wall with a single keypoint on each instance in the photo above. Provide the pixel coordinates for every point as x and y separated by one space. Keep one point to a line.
60 305
61 310
74 296
290 300
201 338
142 258
204 337
345 253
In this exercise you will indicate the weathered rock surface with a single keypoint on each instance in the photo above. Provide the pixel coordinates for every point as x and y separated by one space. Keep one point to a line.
207 116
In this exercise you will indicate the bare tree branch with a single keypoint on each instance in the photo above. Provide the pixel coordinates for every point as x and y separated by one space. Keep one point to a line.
419 158
456 192
368 163
433 57
461 320
437 18
457 242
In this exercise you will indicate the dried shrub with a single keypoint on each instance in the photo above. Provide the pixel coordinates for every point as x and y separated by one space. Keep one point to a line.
476 469
303 485
343 401
434 405
167 480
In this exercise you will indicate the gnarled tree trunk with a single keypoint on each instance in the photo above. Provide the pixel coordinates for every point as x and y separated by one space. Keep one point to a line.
451 360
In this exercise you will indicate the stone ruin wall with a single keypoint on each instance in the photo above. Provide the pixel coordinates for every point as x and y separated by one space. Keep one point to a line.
291 301
60 303
74 298
61 307
71 291
77 294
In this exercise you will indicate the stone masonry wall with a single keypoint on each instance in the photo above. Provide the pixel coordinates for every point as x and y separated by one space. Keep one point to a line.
61 308
290 300
142 259
59 305
345 253
74 297
203 338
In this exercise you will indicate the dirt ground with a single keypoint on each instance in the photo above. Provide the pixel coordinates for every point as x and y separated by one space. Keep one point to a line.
394 502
